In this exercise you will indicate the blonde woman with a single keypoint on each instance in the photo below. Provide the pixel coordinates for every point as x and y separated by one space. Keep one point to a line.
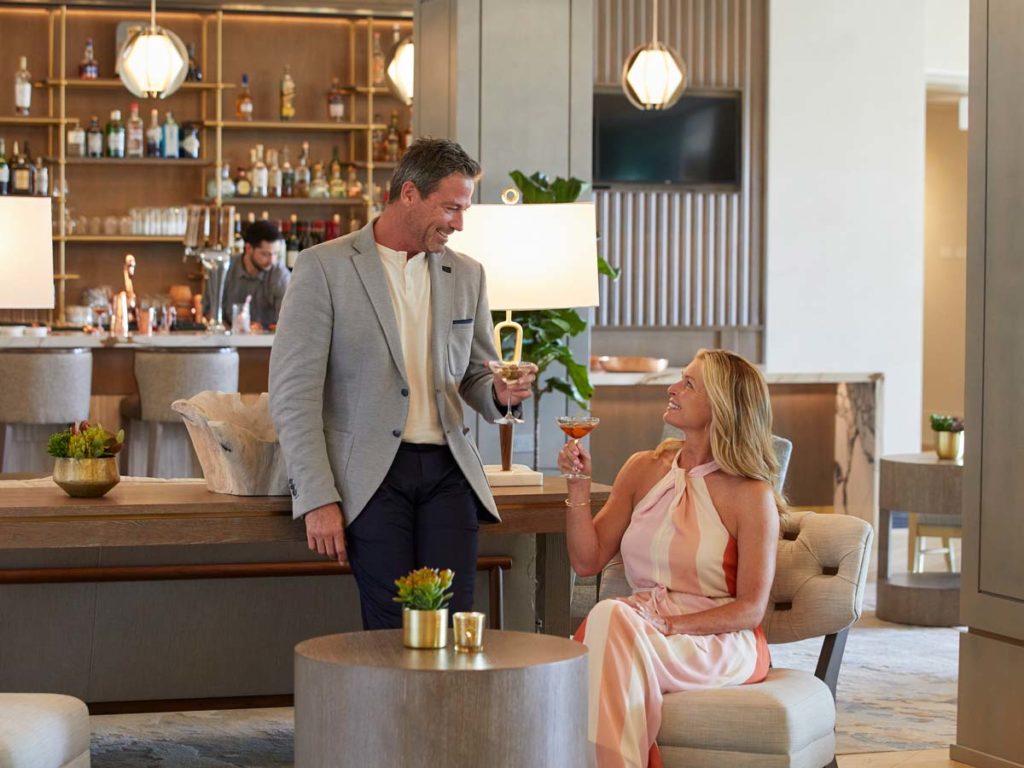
697 522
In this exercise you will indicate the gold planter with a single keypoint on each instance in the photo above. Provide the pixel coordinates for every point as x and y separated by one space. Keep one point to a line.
949 445
425 629
86 478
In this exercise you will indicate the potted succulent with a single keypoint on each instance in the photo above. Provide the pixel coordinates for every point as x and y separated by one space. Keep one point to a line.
86 465
424 595
949 436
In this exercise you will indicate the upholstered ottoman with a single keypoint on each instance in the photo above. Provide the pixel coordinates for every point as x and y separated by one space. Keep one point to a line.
43 730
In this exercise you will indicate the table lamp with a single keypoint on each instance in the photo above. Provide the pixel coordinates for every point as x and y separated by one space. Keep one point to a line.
538 256
26 253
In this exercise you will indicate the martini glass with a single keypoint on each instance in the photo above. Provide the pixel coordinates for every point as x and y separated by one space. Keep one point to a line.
577 427
508 372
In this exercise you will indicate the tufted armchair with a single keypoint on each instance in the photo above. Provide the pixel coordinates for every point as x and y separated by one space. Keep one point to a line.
788 720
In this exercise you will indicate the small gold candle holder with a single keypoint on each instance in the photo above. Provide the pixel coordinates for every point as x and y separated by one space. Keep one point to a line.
468 627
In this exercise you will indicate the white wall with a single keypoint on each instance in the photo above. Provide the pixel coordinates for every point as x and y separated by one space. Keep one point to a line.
845 196
946 41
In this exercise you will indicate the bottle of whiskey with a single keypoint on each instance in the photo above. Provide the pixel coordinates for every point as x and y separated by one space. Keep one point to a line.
23 175
154 135
287 175
337 183
302 173
353 186
394 139
5 169
135 141
260 174
274 175
115 135
169 145
319 187
335 102
22 88
94 138
195 72
287 95
378 61
88 67
243 102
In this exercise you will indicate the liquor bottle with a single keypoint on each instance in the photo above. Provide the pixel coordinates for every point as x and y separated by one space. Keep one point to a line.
292 246
135 140
188 146
94 138
195 72
335 102
169 145
23 175
378 60
338 187
154 135
243 186
302 174
394 139
318 187
22 88
42 178
353 186
335 161
5 169
243 102
260 174
88 68
287 95
379 139
237 242
115 135
274 177
407 135
227 186
333 227
287 176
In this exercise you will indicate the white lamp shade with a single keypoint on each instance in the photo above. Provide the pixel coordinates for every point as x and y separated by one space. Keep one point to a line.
400 70
654 77
539 256
26 253
153 63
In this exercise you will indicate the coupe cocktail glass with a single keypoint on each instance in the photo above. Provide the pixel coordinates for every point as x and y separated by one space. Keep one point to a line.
577 427
509 372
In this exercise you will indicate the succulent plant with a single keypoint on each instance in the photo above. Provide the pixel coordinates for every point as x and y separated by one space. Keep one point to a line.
425 589
83 440
942 423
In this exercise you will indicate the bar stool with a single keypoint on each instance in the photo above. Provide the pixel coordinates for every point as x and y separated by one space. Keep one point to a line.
166 375
48 387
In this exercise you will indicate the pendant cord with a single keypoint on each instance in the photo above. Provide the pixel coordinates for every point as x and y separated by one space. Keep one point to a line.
654 30
152 15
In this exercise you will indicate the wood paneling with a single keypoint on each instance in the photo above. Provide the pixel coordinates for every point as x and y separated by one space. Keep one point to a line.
688 257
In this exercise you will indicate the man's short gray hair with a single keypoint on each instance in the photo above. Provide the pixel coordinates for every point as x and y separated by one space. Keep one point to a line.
427 162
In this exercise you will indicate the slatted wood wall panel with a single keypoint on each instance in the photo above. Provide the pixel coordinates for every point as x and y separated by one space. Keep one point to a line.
688 258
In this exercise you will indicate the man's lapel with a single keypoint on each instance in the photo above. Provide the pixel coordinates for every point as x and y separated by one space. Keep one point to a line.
371 272
442 295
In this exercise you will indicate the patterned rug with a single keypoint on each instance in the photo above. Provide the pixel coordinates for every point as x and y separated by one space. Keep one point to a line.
897 691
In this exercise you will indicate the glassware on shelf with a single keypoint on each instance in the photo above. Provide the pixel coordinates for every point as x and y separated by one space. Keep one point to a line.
22 88
110 225
576 428
88 68
287 111
335 102
243 102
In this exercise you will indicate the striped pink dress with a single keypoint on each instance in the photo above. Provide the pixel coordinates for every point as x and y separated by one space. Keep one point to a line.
679 558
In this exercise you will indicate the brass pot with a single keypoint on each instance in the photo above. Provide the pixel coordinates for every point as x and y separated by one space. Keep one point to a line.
949 445
425 629
86 478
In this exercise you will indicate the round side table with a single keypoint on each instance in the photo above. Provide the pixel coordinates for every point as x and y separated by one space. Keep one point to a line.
922 483
363 699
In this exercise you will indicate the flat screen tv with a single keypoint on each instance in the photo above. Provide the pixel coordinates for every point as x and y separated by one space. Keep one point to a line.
696 143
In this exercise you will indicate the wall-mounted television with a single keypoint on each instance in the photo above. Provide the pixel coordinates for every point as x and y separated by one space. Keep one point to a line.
696 143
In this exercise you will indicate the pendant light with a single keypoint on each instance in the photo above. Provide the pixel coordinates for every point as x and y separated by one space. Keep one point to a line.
400 70
153 62
653 77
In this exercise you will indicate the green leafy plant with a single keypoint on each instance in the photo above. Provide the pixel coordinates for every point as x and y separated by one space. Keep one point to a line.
546 332
425 589
85 441
941 423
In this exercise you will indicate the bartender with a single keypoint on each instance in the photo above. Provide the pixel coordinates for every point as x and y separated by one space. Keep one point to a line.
256 273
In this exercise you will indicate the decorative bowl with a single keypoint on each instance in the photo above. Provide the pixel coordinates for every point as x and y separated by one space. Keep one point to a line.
86 478
634 364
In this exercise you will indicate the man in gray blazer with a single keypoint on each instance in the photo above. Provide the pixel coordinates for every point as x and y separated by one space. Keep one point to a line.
382 334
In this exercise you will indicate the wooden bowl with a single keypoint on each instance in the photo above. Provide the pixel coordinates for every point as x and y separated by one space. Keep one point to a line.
634 364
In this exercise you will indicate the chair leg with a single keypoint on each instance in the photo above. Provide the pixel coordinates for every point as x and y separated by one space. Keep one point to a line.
912 543
155 429
497 602
6 435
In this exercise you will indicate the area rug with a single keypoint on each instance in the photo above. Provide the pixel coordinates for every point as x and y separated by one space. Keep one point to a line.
897 691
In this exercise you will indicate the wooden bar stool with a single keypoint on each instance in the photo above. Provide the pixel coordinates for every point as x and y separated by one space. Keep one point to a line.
41 387
166 375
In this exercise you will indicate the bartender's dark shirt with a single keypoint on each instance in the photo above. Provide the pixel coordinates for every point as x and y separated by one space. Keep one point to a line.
266 288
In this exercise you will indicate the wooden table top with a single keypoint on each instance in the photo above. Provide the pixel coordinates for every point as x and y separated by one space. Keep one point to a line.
503 650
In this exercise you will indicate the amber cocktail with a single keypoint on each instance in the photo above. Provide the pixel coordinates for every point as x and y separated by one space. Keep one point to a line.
577 427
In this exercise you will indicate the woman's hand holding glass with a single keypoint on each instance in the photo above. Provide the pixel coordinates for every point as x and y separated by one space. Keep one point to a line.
574 459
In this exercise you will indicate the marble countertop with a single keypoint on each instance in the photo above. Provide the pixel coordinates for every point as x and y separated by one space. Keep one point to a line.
65 340
669 375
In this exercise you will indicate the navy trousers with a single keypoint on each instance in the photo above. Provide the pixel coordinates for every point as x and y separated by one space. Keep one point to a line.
424 515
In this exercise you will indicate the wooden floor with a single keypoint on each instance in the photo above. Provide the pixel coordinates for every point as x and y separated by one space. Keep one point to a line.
931 758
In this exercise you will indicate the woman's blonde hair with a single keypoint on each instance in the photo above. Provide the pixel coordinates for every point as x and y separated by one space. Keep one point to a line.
741 419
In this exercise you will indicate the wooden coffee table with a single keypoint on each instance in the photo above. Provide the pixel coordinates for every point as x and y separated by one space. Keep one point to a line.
363 699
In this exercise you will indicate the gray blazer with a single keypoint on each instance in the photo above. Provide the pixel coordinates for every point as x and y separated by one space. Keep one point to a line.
338 387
